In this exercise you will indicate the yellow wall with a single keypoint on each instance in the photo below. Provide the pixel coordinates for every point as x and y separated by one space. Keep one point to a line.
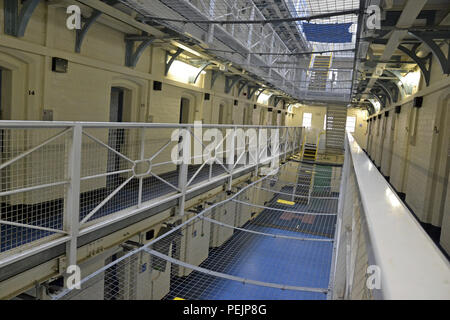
83 93
417 162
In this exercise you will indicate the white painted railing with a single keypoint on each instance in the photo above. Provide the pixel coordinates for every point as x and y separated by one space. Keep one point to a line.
381 250
62 180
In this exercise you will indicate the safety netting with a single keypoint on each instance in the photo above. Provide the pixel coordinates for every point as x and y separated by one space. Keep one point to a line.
270 239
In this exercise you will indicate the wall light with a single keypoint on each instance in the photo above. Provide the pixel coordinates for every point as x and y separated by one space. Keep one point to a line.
264 98
376 104
182 71
411 81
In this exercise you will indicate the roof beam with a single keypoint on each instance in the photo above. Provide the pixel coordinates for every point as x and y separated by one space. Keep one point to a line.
409 14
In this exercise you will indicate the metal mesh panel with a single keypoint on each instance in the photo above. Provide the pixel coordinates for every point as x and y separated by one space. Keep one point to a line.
249 246
32 184
120 169
353 246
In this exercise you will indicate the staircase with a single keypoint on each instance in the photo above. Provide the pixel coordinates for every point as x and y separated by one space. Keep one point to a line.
310 152
335 129
305 173
303 187
319 76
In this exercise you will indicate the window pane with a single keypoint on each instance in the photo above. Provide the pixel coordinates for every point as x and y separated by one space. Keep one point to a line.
307 117
351 124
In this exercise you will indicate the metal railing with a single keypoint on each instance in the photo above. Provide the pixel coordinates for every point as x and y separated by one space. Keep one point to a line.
62 180
381 251
216 253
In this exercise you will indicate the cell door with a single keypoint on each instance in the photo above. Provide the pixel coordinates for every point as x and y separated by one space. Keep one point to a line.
184 110
116 137
222 114
5 106
1 117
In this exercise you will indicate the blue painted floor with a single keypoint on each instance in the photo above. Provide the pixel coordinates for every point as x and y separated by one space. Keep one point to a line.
267 259
305 263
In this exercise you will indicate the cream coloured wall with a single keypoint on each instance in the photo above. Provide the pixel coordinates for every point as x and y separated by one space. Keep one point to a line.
360 133
83 92
417 160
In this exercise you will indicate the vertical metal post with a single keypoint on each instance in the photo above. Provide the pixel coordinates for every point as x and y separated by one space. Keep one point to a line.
286 139
339 223
300 139
72 205
231 163
182 174
250 33
257 151
210 34
141 179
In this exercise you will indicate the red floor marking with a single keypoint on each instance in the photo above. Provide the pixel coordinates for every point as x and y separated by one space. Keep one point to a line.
309 219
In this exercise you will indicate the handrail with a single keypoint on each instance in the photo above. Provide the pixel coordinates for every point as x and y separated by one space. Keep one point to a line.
318 140
92 124
303 146
411 265
72 150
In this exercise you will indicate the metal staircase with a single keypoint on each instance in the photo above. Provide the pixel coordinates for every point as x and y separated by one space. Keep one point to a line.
335 129
319 76
310 152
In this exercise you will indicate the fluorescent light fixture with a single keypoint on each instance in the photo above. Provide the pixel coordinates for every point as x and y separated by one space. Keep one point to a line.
182 71
264 98
376 104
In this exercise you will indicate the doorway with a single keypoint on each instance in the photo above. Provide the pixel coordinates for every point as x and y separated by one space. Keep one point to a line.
5 105
1 116
116 136
184 110
222 114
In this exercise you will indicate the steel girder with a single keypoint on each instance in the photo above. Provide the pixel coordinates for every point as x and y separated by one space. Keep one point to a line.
423 63
132 57
16 22
171 60
428 39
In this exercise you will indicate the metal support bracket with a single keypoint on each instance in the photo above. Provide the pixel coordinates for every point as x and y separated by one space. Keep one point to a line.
81 33
132 57
394 89
251 91
385 90
172 59
16 22
400 88
376 97
428 39
202 67
214 76
276 100
259 93
230 82
421 62
87 23
380 95
241 86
